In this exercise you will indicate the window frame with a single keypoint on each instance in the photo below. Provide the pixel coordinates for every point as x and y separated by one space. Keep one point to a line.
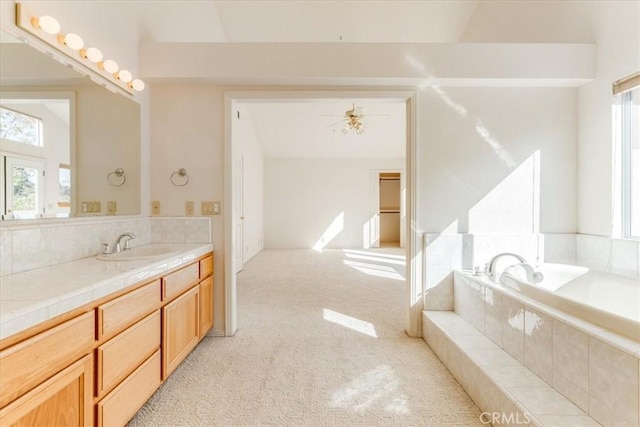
626 130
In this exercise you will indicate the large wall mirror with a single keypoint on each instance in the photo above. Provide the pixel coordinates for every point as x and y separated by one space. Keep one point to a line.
68 146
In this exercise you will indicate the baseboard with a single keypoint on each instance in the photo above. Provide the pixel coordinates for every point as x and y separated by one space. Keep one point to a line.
215 333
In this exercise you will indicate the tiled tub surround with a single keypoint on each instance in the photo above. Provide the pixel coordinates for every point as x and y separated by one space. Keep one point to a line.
444 253
608 300
595 369
504 389
27 245
618 256
31 297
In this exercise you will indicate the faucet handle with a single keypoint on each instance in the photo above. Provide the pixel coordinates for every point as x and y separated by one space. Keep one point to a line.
126 245
107 249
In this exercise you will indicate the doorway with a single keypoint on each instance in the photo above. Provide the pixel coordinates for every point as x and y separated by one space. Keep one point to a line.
389 209
231 219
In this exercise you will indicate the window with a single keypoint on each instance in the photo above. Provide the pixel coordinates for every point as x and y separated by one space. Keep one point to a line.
627 130
20 127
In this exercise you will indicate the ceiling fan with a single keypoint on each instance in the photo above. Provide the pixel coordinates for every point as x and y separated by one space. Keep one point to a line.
353 120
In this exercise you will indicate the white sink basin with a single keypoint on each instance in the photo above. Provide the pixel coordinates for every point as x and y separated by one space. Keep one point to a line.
138 253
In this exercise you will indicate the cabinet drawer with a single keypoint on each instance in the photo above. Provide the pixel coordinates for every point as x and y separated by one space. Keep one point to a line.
179 281
27 364
126 351
121 312
117 408
206 267
66 399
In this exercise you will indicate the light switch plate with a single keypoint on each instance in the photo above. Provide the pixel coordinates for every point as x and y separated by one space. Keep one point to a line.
155 207
189 208
206 208
216 208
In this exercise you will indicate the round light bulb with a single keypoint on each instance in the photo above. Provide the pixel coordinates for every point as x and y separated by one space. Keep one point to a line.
110 66
92 54
48 24
125 76
73 41
137 84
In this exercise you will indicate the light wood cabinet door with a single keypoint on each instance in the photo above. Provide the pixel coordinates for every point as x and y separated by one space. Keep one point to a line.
29 363
206 306
181 329
66 399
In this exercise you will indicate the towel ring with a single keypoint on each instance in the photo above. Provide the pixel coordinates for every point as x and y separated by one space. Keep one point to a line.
119 174
182 172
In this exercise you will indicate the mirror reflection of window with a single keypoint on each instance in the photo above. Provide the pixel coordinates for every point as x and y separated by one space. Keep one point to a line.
25 185
19 127
64 185
36 130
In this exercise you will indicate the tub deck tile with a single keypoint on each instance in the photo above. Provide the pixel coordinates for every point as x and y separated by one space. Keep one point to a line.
514 386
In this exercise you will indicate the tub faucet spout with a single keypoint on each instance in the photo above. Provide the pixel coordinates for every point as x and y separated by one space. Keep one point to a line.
491 271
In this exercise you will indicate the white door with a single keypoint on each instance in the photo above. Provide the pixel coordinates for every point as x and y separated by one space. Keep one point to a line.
24 181
238 213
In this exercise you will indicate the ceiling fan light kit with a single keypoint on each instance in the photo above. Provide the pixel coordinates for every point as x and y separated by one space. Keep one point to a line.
354 118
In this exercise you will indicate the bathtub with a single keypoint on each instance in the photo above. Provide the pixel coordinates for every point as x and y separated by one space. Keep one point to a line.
577 330
607 300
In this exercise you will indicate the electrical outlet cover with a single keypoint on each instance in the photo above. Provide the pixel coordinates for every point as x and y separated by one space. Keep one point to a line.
189 208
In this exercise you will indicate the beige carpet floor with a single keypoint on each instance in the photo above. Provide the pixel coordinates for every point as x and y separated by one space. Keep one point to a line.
320 342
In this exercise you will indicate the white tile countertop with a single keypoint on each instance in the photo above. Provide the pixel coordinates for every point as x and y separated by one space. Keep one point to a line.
34 296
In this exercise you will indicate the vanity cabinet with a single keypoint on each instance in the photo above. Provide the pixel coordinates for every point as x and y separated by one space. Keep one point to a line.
48 377
100 367
66 399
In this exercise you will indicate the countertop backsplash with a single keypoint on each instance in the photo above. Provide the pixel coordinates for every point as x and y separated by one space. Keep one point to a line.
26 246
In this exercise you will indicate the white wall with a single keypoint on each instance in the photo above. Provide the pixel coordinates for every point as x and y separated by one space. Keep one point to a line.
305 198
618 38
187 131
253 181
477 150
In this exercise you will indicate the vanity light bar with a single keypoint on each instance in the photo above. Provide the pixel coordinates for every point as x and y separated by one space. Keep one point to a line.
48 29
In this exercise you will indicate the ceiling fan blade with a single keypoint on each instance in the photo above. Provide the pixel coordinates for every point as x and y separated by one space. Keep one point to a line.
336 123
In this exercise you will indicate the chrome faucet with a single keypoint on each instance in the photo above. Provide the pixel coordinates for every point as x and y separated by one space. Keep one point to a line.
491 270
116 243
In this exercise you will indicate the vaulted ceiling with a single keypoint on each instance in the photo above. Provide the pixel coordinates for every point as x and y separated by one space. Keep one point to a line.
351 21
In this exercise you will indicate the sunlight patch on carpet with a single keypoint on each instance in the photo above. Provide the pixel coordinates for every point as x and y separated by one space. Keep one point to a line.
383 271
377 254
375 258
349 322
378 387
